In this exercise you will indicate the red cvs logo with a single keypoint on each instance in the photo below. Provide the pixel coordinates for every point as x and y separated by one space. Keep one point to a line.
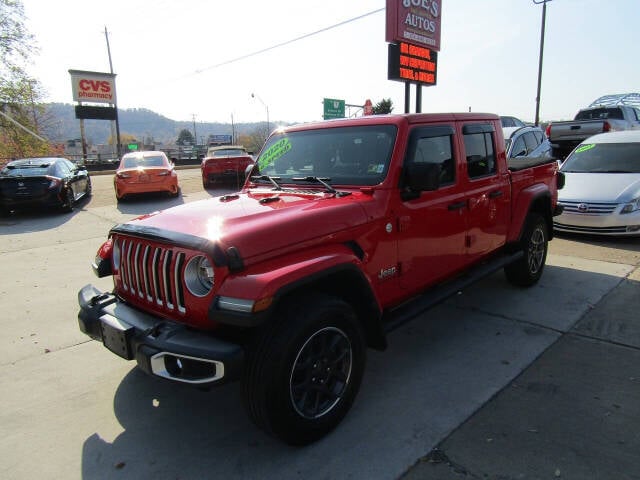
101 86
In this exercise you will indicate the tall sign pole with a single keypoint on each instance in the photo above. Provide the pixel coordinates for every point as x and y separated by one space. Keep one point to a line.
106 35
542 29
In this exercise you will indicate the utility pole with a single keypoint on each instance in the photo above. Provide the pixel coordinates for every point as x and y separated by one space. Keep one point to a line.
117 122
542 29
195 135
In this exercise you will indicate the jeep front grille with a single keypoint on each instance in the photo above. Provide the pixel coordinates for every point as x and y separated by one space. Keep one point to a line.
152 273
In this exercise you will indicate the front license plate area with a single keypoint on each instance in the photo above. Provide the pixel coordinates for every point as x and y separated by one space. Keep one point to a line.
116 336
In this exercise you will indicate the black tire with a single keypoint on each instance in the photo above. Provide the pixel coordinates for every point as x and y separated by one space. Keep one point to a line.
69 201
305 369
89 189
534 244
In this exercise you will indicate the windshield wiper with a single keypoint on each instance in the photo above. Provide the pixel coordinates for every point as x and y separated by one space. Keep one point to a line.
273 180
321 180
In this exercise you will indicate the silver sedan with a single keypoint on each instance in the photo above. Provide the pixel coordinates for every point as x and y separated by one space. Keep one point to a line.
602 189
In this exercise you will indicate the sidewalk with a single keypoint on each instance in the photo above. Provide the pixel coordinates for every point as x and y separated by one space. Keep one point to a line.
573 414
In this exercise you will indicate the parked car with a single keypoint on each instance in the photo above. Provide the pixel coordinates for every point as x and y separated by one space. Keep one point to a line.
42 183
507 121
228 162
145 172
602 191
526 142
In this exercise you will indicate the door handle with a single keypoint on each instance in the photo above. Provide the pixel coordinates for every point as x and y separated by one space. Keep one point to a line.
495 194
457 205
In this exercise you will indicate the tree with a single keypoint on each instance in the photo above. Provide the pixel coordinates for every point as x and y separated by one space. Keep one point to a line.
383 106
125 138
21 108
185 137
253 141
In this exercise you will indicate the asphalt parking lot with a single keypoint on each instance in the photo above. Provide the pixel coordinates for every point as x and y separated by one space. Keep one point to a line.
496 383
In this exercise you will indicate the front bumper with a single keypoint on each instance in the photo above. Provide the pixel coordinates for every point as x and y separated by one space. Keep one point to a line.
160 347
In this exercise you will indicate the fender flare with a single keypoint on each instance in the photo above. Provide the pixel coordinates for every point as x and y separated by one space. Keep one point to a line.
533 198
334 270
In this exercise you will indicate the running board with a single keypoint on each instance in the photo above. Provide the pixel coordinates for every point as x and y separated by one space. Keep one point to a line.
438 294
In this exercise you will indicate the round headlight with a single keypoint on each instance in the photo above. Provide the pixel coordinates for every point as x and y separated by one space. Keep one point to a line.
198 276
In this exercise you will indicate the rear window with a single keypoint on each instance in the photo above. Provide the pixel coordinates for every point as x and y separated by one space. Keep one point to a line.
604 158
139 161
230 152
600 114
25 171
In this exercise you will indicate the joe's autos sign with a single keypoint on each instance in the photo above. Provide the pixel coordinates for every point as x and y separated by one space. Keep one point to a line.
93 87
414 21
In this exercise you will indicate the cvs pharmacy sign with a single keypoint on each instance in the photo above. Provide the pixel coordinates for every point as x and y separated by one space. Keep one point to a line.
93 87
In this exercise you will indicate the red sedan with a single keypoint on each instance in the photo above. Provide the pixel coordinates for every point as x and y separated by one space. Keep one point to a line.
144 172
227 162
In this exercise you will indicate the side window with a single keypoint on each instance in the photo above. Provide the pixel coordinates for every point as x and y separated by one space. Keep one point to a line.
478 146
437 150
434 145
519 147
62 170
539 136
531 142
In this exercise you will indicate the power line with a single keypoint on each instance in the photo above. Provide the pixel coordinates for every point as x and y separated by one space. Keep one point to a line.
288 42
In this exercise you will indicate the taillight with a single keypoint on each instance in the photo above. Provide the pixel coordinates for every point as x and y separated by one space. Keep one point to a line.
547 131
606 126
53 182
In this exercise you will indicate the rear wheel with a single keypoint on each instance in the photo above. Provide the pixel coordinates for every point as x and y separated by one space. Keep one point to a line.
305 370
69 200
534 243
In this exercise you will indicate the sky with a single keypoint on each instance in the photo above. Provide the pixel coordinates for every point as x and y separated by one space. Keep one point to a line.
192 60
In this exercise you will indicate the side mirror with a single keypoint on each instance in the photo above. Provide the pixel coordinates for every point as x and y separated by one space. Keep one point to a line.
422 177
247 171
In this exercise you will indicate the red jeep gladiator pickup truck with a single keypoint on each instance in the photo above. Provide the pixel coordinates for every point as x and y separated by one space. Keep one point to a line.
344 230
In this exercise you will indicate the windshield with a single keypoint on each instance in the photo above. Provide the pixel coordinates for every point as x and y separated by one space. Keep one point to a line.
599 114
604 158
346 155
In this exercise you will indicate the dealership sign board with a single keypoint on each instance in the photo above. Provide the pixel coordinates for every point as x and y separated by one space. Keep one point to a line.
93 87
409 63
414 21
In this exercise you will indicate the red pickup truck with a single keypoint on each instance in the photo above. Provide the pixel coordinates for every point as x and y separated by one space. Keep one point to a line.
343 231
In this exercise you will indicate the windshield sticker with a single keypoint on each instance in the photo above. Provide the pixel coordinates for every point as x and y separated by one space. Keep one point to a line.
373 169
584 148
274 152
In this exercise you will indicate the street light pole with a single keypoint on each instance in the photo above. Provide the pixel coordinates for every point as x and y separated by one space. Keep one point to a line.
253 95
542 28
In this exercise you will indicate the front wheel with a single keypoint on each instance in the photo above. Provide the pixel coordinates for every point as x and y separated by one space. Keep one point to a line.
534 243
305 370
